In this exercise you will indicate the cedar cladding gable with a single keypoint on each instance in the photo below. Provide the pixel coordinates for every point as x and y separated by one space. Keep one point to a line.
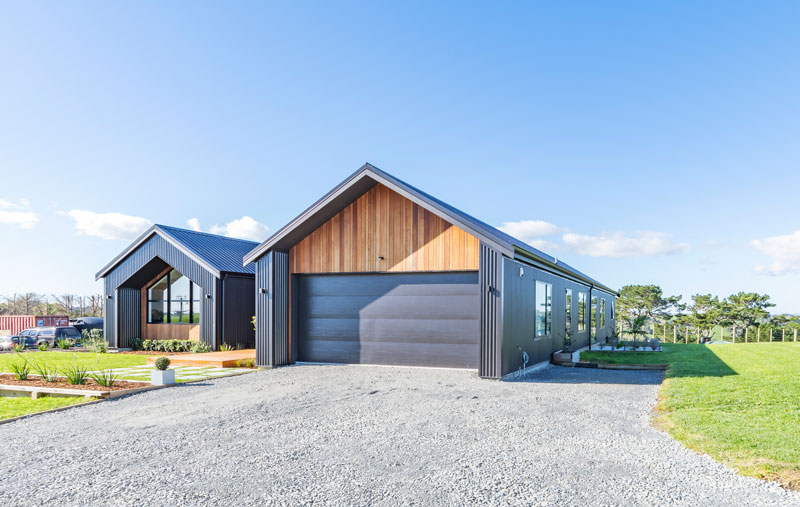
382 231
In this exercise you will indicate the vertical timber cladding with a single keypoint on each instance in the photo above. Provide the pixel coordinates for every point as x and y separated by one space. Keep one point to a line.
382 231
490 276
154 247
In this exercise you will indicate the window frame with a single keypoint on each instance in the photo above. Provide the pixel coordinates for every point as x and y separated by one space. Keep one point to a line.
168 300
581 312
548 310
593 317
602 313
568 311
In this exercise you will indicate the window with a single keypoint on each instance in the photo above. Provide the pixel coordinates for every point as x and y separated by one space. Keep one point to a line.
173 299
544 303
593 318
602 313
568 327
581 311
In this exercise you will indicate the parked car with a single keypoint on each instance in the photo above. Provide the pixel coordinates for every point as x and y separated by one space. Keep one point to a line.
50 334
88 323
8 342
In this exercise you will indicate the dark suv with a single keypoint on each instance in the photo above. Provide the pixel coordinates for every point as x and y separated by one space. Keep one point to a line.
51 334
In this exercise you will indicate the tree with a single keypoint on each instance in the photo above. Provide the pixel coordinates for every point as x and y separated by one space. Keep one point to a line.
647 301
748 308
707 312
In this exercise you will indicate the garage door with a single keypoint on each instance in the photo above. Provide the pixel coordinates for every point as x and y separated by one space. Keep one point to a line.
410 319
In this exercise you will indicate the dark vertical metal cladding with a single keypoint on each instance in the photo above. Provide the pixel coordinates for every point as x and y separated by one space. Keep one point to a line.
109 313
263 298
238 307
280 301
129 322
490 269
158 247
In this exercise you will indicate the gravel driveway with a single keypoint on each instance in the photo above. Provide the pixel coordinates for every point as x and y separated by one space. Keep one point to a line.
369 435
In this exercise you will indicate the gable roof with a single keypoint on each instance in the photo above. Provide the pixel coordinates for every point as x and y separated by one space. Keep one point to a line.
365 178
217 254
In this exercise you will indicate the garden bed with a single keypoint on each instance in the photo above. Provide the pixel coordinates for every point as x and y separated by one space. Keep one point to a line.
61 383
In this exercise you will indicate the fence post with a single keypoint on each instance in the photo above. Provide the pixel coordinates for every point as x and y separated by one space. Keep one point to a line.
770 335
795 334
758 334
783 335
698 335
675 334
746 330
687 334
733 335
665 331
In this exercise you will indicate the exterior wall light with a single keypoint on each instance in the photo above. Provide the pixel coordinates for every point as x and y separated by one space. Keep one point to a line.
521 272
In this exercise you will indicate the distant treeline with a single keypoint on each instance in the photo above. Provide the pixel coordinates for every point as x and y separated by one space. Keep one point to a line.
640 307
71 305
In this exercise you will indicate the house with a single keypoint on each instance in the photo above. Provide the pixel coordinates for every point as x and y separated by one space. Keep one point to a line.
177 284
379 272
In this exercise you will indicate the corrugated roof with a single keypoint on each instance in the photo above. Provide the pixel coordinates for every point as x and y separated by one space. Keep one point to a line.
339 197
221 252
215 253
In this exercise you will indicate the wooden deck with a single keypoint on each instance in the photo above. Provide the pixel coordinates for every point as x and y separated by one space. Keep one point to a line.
230 359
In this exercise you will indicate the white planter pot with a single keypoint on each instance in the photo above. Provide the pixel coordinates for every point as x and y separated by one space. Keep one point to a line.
163 377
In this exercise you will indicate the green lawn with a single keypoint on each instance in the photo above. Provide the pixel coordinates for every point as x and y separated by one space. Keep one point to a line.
13 407
58 358
738 403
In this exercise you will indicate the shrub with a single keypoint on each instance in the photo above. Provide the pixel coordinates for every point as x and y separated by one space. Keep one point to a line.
44 346
225 347
47 372
64 343
135 344
76 373
246 363
19 347
20 367
162 363
96 344
199 347
147 345
96 334
105 378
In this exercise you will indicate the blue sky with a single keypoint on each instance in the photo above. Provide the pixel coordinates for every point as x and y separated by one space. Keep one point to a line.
640 142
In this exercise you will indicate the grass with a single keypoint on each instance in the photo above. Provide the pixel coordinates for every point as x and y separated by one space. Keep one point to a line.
13 407
61 359
738 403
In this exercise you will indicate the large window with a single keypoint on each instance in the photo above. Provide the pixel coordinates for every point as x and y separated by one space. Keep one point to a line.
173 299
593 318
602 313
544 304
568 314
581 312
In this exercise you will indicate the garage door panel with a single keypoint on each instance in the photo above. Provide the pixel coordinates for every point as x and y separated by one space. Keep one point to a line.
425 319
435 306
424 354
380 284
414 331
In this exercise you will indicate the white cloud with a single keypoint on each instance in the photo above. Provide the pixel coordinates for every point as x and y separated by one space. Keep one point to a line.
531 231
785 253
108 225
241 228
640 244
17 214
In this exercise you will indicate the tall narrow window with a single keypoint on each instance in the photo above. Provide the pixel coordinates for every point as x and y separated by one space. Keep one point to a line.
544 304
593 318
158 300
581 312
568 314
173 299
602 313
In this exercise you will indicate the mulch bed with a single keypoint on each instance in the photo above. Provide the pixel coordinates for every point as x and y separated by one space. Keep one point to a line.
61 383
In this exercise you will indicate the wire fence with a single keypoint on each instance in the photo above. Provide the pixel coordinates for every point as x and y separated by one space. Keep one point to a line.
677 333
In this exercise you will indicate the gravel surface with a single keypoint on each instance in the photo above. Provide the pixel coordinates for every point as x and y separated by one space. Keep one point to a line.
355 435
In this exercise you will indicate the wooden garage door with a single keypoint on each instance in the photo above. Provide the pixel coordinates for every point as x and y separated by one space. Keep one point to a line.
411 319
